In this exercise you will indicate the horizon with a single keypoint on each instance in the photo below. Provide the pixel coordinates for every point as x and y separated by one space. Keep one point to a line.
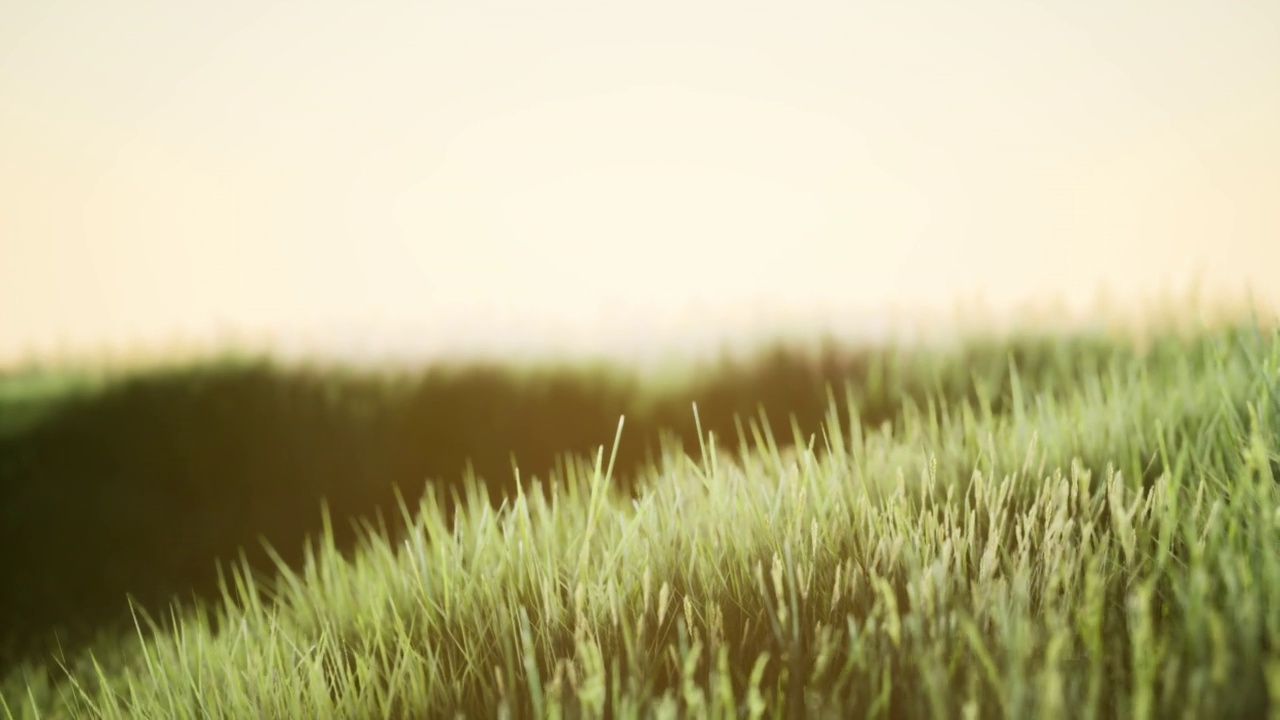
630 181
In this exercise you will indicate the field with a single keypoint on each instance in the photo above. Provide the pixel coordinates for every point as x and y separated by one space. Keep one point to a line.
1034 526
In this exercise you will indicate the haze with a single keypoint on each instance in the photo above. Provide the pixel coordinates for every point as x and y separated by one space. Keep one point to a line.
402 179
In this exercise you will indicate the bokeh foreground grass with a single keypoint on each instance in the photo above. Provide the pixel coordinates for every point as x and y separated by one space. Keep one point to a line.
1104 547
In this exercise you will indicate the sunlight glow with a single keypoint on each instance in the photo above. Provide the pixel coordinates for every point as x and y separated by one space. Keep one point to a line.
619 177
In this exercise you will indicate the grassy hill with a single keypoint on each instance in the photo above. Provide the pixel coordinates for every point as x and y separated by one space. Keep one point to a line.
1039 526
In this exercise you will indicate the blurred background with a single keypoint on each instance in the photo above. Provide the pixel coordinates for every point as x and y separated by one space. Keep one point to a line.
402 180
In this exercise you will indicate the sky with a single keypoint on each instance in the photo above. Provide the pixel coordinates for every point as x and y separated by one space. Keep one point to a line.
368 180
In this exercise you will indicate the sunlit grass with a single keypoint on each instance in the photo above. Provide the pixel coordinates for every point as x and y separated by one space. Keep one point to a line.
1108 551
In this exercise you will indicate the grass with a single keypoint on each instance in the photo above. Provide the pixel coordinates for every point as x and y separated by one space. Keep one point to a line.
1103 542
138 485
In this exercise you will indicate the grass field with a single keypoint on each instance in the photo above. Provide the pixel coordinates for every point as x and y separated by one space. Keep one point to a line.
1044 527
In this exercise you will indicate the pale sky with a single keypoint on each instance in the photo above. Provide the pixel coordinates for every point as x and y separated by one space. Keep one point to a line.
609 176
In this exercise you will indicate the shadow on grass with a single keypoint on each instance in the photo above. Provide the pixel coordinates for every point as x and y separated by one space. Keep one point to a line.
140 488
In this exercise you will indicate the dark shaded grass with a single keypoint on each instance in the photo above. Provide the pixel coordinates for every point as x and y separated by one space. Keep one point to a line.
139 488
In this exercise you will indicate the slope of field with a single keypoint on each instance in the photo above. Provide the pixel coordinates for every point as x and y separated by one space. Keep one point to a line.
138 484
1084 530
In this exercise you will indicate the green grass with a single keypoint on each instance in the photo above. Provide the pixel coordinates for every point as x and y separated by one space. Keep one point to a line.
1107 544
137 486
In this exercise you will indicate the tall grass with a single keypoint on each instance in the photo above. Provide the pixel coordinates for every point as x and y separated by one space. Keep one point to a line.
137 485
1104 547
